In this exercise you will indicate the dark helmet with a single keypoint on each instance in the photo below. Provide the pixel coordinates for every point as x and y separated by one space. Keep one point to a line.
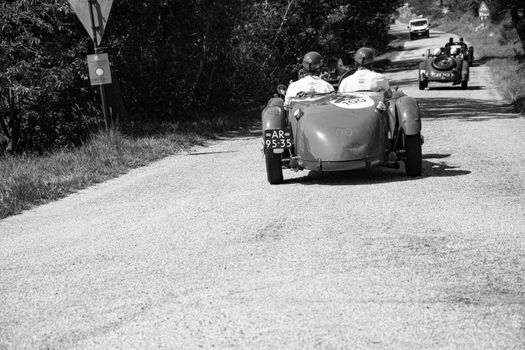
364 56
461 39
450 40
312 61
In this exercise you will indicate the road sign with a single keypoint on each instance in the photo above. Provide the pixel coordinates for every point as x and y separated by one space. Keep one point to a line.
483 10
99 9
99 71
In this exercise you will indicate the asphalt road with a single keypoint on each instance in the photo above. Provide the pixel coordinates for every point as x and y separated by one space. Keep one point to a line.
199 251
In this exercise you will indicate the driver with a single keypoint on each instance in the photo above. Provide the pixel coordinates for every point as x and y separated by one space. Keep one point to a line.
310 80
462 44
364 79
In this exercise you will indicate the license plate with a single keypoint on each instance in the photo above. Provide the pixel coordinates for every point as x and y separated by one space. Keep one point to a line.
277 139
442 75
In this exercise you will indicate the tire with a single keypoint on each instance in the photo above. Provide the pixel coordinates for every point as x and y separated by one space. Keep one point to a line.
464 85
428 35
422 85
411 37
274 169
443 63
413 155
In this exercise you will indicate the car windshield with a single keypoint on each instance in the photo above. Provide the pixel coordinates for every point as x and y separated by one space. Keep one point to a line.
419 23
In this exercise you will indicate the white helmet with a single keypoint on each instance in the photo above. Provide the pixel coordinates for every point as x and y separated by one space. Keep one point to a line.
454 50
437 52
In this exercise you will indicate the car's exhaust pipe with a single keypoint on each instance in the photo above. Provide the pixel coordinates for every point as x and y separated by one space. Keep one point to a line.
392 165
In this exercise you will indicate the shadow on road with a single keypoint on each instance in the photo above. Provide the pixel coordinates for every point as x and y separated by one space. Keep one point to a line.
465 109
448 86
404 35
399 66
441 169
208 153
431 168
404 82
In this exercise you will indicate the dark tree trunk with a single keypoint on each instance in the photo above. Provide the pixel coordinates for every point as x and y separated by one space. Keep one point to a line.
518 20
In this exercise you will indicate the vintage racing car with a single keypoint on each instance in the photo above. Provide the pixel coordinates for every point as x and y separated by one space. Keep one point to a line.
444 66
335 132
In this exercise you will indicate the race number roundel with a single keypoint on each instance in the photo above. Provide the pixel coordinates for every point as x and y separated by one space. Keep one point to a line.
353 102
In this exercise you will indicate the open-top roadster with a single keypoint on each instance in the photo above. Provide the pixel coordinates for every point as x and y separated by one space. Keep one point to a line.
444 66
335 132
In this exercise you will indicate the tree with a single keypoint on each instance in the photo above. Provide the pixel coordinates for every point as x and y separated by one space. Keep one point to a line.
516 10
41 76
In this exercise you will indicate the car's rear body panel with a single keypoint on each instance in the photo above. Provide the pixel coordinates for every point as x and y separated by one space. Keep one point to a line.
339 133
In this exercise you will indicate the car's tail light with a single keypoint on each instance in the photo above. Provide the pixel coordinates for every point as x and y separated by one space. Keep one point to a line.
380 106
298 113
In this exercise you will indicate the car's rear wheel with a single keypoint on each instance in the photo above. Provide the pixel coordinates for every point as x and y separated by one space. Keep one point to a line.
422 84
274 168
413 155
464 85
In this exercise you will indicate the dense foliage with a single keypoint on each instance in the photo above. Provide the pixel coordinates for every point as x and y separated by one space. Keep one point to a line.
174 58
44 99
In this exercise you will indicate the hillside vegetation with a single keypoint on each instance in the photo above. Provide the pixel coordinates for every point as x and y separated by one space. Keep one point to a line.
174 60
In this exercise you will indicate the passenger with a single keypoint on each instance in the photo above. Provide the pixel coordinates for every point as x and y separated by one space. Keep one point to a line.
364 79
455 50
309 79
462 44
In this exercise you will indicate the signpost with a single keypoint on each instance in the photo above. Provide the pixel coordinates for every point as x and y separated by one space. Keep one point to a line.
484 13
93 14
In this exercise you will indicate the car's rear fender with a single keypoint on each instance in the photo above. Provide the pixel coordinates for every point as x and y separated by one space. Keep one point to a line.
408 115
423 71
465 71
273 114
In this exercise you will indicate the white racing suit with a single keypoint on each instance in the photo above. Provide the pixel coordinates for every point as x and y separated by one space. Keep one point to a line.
364 80
305 85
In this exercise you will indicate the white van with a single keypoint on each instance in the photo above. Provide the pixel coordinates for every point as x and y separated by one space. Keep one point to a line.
419 27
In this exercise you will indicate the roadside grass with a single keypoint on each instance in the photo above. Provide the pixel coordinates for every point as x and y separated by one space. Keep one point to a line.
30 180
509 76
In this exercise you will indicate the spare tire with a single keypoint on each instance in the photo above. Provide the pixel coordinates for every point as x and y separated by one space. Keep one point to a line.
443 63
